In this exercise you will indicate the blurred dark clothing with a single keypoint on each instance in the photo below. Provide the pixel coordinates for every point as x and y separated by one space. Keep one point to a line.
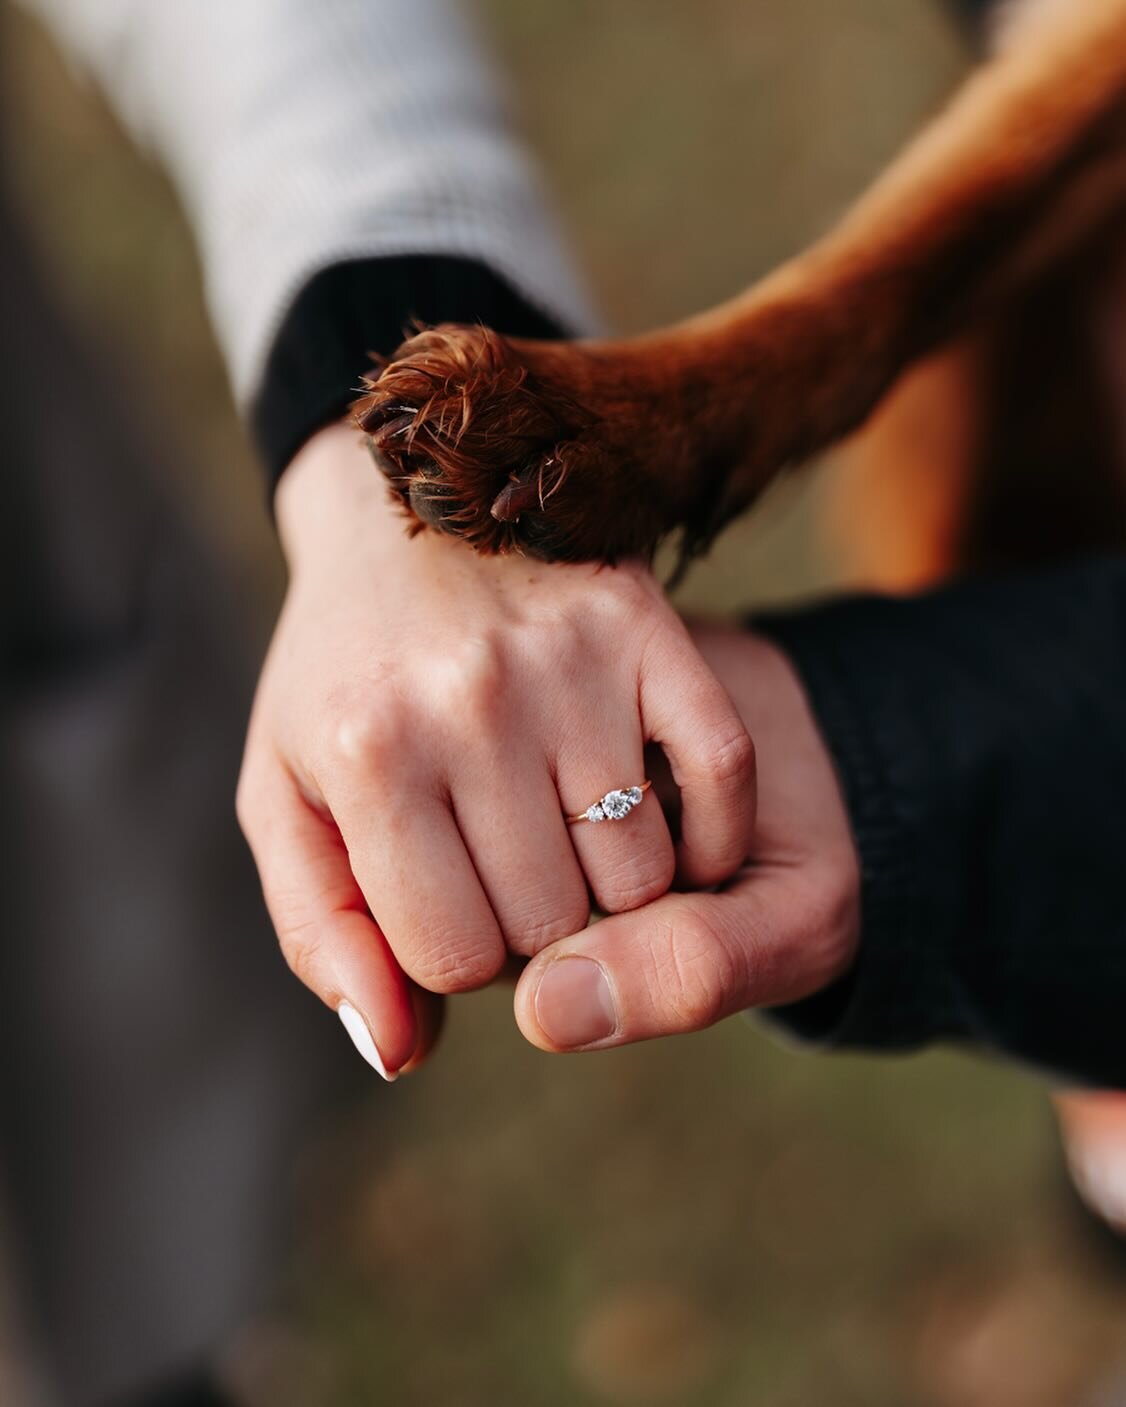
980 737
157 1060
973 10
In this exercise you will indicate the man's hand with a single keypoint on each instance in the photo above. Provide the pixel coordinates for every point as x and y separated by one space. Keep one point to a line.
787 925
424 720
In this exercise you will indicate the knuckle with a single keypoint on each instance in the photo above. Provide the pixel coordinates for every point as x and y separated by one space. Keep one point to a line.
832 916
730 756
637 882
301 949
836 897
470 684
536 928
448 965
550 638
365 735
618 599
699 972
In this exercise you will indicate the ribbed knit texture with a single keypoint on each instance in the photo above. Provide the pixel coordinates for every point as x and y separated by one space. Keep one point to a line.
980 737
307 133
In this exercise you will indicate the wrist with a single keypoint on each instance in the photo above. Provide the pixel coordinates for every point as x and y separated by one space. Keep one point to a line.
331 493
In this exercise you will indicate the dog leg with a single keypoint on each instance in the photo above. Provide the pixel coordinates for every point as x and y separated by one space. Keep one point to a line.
598 449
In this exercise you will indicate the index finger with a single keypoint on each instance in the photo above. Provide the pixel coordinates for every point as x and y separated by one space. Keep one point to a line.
690 714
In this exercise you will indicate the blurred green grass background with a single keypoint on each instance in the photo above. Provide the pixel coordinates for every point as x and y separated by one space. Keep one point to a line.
710 1222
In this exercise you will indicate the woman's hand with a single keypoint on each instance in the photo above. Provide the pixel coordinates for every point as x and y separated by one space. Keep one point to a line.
786 926
424 720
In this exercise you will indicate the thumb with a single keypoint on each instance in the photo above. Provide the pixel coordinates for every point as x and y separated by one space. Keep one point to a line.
682 963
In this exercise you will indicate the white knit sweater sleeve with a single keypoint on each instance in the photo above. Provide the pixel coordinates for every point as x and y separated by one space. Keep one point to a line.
305 133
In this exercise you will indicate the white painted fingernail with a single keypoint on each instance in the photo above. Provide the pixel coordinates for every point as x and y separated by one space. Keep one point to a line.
1102 1181
357 1028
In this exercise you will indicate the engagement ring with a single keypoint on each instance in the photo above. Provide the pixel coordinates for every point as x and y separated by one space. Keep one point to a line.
614 806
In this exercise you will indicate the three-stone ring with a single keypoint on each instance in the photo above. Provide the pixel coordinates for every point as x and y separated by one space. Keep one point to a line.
614 806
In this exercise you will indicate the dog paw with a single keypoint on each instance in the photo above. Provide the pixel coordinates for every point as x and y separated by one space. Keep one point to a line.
535 447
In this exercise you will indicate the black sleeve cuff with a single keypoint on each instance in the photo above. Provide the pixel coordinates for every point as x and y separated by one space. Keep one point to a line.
352 309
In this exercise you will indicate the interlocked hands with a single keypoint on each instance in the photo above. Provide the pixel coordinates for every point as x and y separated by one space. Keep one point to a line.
426 719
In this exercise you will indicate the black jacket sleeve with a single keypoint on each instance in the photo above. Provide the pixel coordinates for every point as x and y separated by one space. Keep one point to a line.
980 738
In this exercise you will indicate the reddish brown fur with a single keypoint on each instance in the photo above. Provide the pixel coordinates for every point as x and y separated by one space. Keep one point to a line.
599 449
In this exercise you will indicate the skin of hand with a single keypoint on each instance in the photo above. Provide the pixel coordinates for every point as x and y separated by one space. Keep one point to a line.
425 718
785 926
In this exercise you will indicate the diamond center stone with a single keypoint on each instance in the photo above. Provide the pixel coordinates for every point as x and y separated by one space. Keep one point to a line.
616 805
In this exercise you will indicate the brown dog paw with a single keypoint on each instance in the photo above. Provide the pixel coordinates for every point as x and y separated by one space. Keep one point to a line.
552 449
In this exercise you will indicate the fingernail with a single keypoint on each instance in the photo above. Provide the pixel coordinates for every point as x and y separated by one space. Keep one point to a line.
574 1004
357 1028
1101 1178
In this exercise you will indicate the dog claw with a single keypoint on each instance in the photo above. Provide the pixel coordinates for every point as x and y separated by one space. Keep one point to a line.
515 498
387 421
392 429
